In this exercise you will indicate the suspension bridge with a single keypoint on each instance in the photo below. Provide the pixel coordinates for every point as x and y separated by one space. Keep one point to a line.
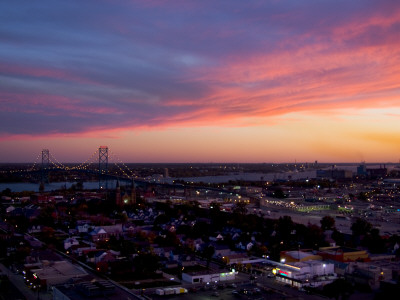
98 163
104 164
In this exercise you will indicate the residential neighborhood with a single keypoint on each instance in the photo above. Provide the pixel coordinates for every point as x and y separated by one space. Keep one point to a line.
263 235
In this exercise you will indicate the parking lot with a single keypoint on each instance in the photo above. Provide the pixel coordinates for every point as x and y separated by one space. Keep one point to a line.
261 288
246 291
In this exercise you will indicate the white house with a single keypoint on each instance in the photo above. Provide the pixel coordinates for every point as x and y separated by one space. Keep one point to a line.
85 228
69 242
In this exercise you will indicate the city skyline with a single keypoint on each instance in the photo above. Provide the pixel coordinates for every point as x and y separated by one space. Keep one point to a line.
201 81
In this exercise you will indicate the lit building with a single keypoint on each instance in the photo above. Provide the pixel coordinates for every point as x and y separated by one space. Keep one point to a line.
307 273
48 274
343 254
125 198
300 255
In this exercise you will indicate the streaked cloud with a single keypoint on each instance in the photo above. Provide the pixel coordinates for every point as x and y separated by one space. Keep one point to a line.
110 67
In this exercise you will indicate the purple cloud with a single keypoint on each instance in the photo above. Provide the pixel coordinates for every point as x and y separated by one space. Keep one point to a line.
71 67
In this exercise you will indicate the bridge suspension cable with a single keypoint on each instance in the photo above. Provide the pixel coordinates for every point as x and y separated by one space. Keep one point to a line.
87 162
83 166
56 163
97 162
113 155
35 162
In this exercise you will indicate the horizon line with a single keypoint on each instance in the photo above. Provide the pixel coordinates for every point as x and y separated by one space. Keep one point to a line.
233 163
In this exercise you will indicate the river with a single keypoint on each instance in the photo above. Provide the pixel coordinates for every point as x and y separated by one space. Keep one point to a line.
89 185
27 186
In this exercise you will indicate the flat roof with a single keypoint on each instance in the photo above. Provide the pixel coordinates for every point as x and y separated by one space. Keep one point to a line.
299 254
59 268
206 272
73 292
337 249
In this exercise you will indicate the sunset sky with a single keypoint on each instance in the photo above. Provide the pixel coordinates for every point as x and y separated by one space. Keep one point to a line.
201 81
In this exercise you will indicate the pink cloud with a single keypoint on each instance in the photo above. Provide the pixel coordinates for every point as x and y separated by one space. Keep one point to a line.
326 64
51 105
43 72
311 76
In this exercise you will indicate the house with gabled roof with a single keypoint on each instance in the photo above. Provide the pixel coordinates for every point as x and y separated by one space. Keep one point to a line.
104 233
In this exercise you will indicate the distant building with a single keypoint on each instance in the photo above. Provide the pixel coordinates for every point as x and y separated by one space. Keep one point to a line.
343 254
104 233
53 273
307 273
166 173
93 289
381 172
297 256
374 272
362 170
334 174
125 198
235 258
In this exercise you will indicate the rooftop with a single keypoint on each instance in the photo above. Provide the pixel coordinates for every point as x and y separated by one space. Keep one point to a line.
59 269
94 290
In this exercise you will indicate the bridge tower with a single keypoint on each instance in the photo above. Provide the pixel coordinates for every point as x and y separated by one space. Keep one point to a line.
103 167
45 166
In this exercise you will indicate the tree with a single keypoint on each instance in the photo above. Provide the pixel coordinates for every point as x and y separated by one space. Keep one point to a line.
327 223
146 264
338 237
47 235
285 225
374 242
362 196
314 236
361 227
46 216
161 219
278 193
171 239
339 287
208 253
6 192
215 210
240 208
127 248
200 229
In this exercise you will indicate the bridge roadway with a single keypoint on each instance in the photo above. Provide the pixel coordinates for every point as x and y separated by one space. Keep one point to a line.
138 182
